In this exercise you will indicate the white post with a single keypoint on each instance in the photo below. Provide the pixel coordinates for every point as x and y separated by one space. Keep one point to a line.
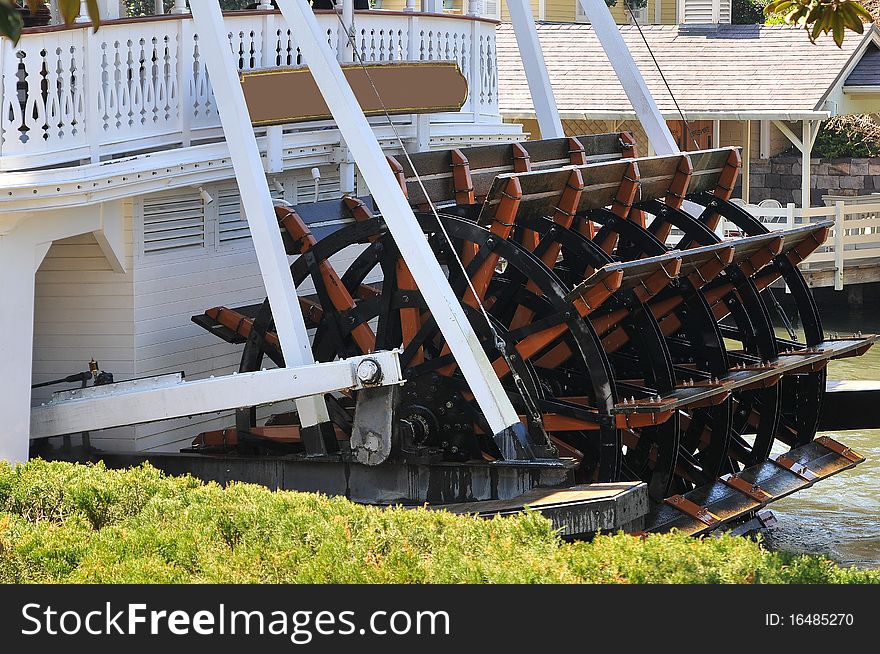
159 7
18 262
839 234
180 7
765 140
256 199
410 5
110 9
473 8
345 53
658 12
535 68
789 224
629 75
402 223
432 6
422 122
746 157
789 216
185 39
806 151
716 133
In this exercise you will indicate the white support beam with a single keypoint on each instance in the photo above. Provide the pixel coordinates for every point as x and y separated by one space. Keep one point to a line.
630 77
256 199
535 68
807 130
808 137
764 139
18 260
402 223
160 398
785 129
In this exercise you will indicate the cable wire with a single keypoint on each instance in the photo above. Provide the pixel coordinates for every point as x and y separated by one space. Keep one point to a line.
687 125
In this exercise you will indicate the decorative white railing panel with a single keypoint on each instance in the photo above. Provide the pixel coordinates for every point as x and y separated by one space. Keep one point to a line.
70 95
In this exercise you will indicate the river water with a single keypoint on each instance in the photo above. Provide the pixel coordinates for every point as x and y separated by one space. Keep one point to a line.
840 517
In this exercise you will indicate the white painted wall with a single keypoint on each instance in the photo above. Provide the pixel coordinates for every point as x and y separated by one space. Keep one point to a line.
138 323
82 310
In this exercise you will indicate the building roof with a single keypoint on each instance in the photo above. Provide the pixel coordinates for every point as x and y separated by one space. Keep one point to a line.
725 72
867 71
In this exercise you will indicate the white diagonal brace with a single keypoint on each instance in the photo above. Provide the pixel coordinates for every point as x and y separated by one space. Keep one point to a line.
256 199
535 69
159 398
630 77
398 215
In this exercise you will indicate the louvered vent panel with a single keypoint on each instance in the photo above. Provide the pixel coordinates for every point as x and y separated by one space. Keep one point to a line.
173 222
232 222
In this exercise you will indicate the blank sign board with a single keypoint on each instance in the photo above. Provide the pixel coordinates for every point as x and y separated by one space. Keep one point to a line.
290 95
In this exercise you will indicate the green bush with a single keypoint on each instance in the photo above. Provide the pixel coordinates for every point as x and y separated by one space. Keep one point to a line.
751 12
70 523
848 136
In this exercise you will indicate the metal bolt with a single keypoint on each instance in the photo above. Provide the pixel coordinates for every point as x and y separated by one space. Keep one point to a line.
372 442
369 372
449 405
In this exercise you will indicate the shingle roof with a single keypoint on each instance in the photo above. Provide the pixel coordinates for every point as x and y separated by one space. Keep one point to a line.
736 68
867 71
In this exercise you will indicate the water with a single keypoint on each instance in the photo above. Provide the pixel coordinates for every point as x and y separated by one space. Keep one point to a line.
840 517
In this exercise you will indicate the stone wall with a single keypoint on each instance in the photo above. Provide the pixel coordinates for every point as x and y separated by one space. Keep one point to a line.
780 179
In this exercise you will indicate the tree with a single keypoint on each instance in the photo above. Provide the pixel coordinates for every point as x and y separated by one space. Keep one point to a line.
823 16
11 21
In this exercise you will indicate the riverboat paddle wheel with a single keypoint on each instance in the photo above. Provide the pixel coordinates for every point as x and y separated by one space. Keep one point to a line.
624 303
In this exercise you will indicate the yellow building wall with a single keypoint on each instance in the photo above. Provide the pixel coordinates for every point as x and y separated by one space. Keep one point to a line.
669 12
559 11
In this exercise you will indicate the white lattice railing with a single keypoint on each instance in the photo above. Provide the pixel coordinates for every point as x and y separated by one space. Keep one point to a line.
854 237
71 95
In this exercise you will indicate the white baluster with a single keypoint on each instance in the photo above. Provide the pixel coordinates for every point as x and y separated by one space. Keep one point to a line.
475 7
266 5
410 5
180 7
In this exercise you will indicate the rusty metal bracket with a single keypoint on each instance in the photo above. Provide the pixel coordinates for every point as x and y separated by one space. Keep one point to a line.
693 509
753 491
796 468
840 448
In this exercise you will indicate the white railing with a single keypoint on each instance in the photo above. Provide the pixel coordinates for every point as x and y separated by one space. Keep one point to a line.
70 95
855 235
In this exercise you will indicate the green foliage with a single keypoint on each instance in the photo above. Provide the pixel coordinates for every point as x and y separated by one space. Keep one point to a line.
848 136
70 523
148 7
747 12
11 22
822 16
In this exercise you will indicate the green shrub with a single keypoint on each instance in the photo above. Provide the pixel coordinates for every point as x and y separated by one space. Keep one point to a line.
848 136
70 523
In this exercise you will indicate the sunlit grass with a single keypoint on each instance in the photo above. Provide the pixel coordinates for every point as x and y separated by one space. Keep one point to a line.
69 523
